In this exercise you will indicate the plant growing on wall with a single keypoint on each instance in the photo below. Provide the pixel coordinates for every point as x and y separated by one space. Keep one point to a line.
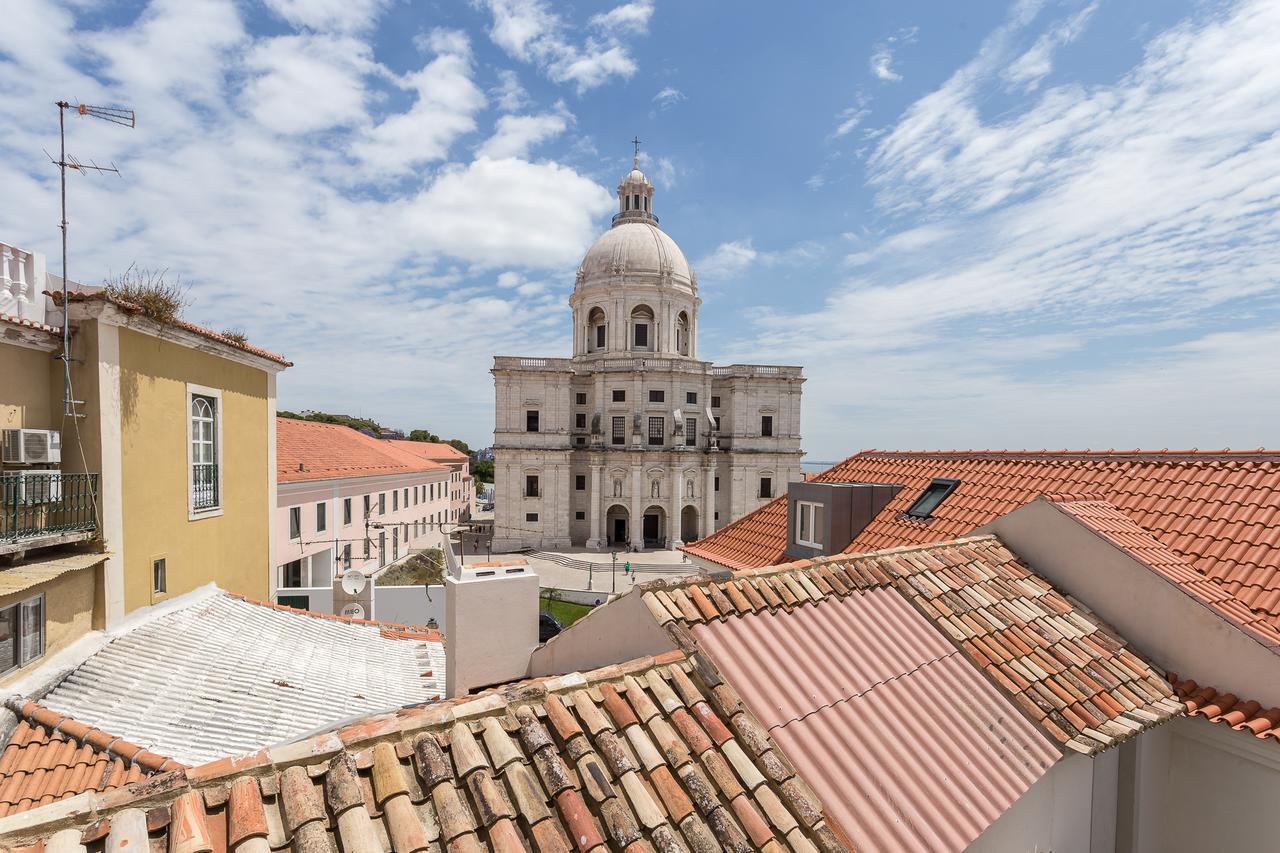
150 291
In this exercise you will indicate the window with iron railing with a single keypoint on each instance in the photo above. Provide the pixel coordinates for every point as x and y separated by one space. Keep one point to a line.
204 453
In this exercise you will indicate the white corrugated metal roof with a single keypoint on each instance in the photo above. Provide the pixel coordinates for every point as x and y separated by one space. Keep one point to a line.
225 676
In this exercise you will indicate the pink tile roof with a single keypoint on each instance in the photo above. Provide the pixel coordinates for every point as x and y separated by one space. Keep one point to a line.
910 747
1217 510
308 450
437 452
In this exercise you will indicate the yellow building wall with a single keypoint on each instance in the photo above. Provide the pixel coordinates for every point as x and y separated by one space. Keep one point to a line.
25 401
73 607
231 549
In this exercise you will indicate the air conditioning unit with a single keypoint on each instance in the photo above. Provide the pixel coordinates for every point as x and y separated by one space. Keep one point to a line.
30 446
34 487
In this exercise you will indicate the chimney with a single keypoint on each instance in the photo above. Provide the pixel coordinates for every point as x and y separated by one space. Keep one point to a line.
843 510
491 610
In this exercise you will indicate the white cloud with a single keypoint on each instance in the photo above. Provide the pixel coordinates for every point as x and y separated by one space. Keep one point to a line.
307 83
531 32
1092 221
361 282
509 95
336 15
1030 68
727 260
881 61
447 100
669 96
515 135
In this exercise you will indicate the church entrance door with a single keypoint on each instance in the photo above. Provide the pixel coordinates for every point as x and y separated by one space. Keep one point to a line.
650 530
619 530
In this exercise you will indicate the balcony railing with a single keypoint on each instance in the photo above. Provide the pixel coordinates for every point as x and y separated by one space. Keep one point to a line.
204 487
37 505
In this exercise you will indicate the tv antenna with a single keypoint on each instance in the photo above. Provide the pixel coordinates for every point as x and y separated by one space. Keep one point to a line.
114 115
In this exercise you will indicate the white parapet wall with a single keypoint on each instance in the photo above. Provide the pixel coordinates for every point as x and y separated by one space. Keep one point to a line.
491 610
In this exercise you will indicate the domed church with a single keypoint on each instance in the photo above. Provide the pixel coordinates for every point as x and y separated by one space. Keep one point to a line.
635 443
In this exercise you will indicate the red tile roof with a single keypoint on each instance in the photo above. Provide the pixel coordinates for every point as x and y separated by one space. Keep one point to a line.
437 452
1058 662
846 660
1117 529
852 719
1228 709
1217 510
308 450
50 757
30 324
653 754
130 308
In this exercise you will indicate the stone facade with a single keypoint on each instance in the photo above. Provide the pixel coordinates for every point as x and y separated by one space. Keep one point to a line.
635 442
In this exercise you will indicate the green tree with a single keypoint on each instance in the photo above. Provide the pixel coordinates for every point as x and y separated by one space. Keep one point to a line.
424 435
365 425
459 444
482 470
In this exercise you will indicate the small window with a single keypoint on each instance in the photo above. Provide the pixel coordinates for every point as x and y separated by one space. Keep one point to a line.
531 420
531 486
717 484
619 395
291 575
580 398
295 522
368 545
382 503
395 500
657 430
690 432
600 337
301 602
766 425
715 401
642 334
766 487
159 583
809 524
322 520
395 543
933 495
580 515
620 430
367 502
530 516
580 420
717 426
346 511
657 396
346 556
580 482
691 397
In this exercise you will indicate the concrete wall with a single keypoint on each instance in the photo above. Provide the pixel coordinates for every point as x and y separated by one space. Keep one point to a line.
230 548
1160 620
409 605
622 631
73 607
1203 786
26 401
1055 814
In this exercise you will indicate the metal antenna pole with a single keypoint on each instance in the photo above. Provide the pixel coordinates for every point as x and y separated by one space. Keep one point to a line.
115 115
66 309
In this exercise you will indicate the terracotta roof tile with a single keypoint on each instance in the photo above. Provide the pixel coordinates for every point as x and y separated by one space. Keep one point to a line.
434 451
578 762
1246 716
309 450
129 307
1215 510
50 757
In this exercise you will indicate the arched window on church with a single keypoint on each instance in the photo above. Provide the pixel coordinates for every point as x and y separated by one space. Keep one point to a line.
597 326
682 333
642 328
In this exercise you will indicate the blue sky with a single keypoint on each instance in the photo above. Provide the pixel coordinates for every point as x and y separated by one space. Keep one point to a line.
1026 224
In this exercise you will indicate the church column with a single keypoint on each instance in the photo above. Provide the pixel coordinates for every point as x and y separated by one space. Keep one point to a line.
674 534
709 503
636 530
595 512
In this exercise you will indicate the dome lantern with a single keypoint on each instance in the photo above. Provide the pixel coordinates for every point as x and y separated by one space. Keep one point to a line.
635 194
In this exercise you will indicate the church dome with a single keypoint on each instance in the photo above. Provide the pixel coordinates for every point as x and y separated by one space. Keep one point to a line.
635 249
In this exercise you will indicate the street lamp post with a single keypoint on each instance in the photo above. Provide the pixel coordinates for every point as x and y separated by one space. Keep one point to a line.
615 571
